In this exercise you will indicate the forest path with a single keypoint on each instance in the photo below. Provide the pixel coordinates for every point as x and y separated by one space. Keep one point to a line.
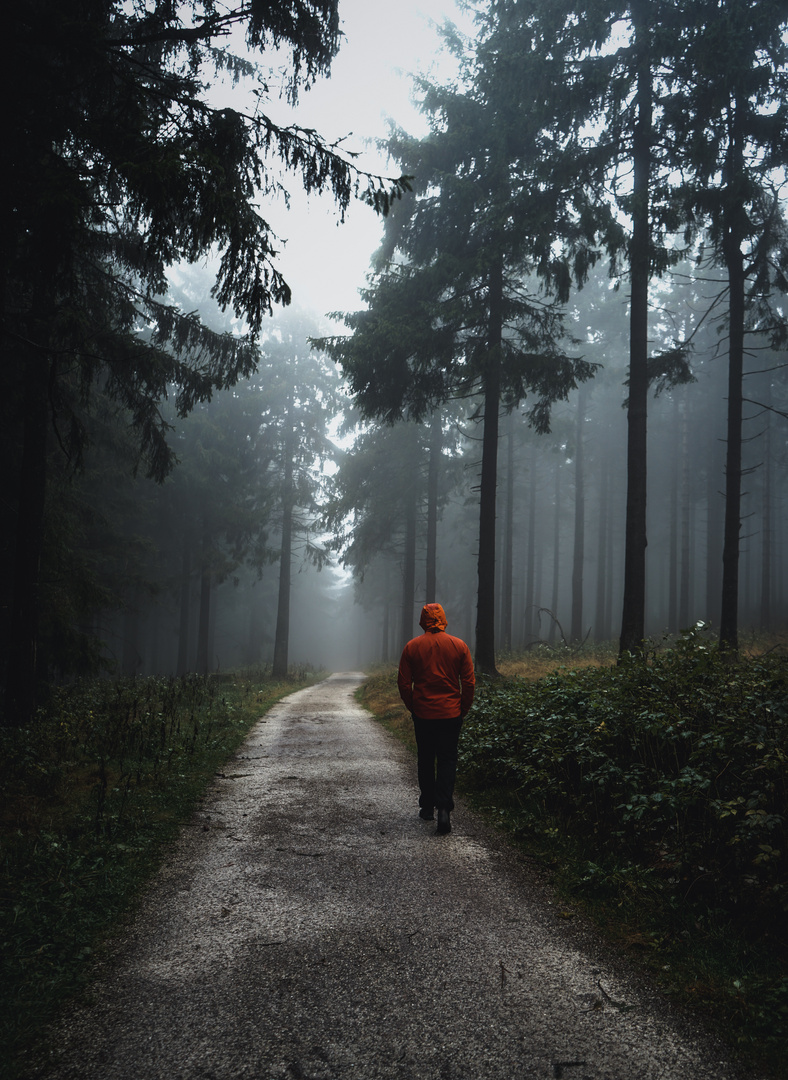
310 926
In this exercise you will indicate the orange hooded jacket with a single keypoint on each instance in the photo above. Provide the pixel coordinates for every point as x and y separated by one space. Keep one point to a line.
436 678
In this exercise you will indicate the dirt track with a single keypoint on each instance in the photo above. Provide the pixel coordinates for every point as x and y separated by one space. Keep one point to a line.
310 926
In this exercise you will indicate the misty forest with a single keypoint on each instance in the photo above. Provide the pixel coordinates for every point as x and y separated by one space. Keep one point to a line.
558 407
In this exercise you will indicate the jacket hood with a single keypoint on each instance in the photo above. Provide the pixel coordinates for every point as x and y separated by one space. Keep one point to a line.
433 618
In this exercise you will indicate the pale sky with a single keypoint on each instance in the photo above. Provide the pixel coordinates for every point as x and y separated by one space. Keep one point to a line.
324 262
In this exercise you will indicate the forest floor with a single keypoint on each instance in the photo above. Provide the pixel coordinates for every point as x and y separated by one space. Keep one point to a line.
308 924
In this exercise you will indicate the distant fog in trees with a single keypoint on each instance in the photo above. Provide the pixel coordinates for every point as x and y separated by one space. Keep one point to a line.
369 520
570 356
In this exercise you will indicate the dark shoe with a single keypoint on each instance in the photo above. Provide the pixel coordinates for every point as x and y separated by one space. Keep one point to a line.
444 822
426 813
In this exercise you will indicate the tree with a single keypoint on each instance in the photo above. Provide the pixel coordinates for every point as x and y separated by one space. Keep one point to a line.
729 112
118 166
378 493
453 308
302 396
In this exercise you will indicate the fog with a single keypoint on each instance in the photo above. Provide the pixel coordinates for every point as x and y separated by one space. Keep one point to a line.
560 496
293 531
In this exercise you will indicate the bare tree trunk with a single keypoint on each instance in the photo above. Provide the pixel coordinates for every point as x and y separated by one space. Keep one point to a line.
185 595
436 445
686 509
530 623
507 569
714 532
556 549
634 604
766 523
204 630
409 570
282 633
578 558
602 630
734 264
282 638
485 606
673 554
386 627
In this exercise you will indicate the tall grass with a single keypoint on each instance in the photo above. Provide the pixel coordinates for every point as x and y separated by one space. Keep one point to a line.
89 798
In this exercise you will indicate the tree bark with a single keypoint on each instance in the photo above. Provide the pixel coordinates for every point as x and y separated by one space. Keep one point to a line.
530 621
634 603
183 624
733 237
204 629
578 557
602 631
409 568
673 553
766 522
436 445
485 605
686 524
556 550
507 575
282 636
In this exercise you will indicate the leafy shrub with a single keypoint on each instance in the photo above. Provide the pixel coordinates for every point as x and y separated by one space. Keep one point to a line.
676 762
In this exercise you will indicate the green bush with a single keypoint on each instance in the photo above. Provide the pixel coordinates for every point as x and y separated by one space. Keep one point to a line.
676 761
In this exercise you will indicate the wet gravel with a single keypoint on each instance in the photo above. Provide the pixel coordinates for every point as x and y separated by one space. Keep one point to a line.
309 925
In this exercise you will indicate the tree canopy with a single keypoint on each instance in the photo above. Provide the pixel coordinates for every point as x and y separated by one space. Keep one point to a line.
119 165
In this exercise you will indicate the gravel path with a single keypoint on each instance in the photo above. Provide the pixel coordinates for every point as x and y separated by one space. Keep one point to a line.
310 926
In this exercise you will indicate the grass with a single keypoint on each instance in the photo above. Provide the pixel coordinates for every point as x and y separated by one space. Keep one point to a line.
90 798
656 795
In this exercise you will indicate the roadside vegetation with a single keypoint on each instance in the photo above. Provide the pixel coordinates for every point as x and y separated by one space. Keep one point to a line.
656 790
90 797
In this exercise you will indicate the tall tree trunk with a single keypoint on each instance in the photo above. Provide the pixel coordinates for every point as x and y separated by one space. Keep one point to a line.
733 238
602 631
556 551
254 644
282 637
530 622
507 569
23 675
388 604
766 522
673 553
714 532
436 446
485 605
409 567
686 513
204 629
634 603
183 622
578 557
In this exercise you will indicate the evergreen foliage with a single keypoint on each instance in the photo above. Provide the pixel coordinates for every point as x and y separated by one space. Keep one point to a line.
91 796
119 165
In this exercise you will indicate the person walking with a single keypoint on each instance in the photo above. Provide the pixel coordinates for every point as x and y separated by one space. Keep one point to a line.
436 682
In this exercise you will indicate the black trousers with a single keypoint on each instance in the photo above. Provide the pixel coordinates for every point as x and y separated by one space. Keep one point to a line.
437 742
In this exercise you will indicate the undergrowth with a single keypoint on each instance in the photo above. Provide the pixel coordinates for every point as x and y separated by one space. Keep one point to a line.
657 790
90 795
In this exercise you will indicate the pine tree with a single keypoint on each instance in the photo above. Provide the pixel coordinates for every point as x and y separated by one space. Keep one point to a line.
117 167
